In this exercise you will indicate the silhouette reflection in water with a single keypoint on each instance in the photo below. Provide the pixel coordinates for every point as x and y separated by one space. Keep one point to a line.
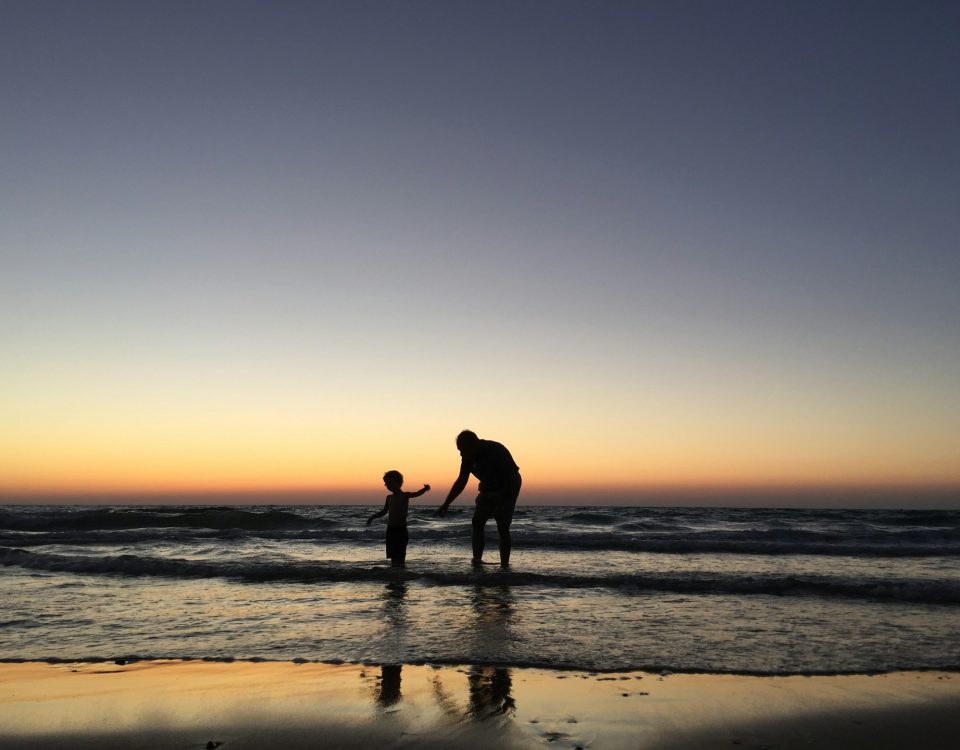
394 601
395 620
387 691
493 610
490 687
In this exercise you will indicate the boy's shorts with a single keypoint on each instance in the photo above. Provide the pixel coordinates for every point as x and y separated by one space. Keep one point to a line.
397 538
497 505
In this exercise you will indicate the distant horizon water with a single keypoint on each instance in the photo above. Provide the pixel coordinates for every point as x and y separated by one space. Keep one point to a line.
921 497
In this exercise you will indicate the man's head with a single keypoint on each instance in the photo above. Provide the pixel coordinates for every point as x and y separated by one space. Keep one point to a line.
467 443
393 480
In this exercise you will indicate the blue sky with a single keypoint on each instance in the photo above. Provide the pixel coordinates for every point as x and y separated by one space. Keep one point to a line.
647 242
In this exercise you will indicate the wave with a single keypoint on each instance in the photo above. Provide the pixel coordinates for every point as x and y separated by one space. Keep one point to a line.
588 517
675 531
776 542
750 543
943 591
127 518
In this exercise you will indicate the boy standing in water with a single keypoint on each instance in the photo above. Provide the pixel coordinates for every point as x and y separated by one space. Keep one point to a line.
396 505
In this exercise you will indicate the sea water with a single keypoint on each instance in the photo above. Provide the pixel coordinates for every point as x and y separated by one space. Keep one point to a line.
765 591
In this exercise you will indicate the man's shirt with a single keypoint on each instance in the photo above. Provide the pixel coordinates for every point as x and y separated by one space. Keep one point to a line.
492 465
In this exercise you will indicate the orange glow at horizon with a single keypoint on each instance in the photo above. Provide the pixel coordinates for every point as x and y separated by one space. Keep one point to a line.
300 464
270 434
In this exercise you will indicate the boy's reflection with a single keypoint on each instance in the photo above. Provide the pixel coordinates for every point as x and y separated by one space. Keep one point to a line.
388 692
394 595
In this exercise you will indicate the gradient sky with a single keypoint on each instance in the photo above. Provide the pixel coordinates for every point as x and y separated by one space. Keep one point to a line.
289 245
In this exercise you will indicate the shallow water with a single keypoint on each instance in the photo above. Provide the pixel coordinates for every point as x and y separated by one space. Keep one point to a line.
591 588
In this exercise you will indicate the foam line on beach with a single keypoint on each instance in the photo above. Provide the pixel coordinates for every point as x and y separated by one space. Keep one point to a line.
656 670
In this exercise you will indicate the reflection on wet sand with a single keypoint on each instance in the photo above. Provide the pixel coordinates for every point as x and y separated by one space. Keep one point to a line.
490 692
388 692
489 696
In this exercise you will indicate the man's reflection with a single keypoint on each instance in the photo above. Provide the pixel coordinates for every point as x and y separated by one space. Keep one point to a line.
490 689
493 610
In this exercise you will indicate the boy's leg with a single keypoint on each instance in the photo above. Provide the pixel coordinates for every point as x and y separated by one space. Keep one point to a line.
393 539
399 556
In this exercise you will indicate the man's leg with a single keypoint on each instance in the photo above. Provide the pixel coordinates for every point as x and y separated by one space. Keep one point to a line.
481 514
503 534
478 540
504 517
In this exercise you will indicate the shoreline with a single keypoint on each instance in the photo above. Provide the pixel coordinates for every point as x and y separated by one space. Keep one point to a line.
249 704
560 669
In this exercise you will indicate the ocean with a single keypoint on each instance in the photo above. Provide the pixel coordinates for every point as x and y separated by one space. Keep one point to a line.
755 591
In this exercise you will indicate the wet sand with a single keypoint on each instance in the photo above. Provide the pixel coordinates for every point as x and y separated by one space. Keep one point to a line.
193 704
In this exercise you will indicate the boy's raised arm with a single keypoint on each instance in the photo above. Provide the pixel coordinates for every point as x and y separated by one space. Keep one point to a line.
426 488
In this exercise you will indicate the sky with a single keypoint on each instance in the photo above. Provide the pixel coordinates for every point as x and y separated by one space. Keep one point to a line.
655 248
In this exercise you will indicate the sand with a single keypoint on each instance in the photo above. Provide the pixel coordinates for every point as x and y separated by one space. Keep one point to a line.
194 704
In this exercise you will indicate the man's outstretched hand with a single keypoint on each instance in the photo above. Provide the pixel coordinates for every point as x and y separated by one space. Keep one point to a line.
442 510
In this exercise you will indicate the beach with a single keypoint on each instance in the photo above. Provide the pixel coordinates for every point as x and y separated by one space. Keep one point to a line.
189 704
285 627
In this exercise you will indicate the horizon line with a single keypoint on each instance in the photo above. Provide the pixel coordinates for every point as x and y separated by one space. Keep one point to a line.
908 496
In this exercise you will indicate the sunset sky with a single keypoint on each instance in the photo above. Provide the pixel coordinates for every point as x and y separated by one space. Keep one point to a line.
650 246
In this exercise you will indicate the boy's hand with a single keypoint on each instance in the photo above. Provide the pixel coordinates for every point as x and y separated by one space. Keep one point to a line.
426 488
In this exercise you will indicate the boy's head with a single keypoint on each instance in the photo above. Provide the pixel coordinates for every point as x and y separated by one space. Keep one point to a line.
393 480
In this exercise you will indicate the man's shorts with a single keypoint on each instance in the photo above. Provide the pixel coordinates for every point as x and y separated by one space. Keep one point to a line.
498 505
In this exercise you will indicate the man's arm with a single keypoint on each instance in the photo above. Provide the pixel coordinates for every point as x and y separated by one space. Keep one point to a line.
458 487
426 488
382 513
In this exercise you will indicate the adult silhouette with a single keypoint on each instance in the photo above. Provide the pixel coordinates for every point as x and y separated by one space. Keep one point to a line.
499 476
